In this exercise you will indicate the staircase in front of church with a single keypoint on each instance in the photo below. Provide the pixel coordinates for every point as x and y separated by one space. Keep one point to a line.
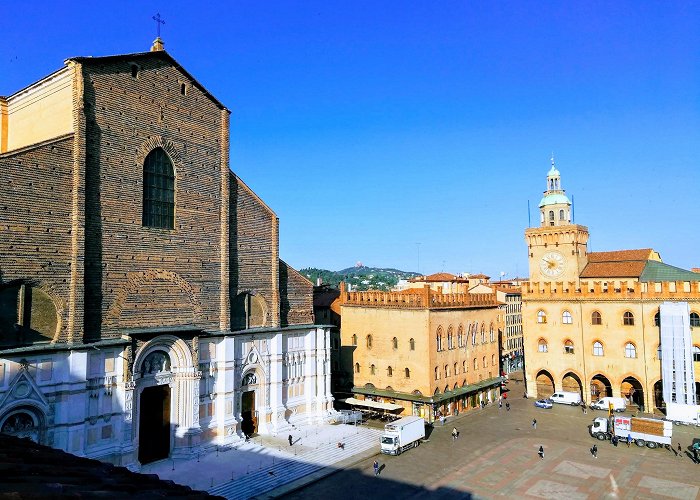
285 470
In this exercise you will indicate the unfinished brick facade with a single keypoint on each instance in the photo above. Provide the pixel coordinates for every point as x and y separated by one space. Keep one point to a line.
81 272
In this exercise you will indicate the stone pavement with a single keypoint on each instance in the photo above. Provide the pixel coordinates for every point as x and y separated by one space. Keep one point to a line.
496 457
268 462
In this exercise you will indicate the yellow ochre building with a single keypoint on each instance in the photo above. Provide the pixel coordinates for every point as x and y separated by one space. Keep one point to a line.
422 350
591 320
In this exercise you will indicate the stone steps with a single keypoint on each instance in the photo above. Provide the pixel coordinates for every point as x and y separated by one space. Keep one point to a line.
290 469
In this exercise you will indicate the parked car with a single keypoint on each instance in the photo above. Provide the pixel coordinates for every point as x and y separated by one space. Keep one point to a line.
544 403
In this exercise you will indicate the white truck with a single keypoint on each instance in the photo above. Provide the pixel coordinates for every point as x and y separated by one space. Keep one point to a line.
683 414
402 434
644 431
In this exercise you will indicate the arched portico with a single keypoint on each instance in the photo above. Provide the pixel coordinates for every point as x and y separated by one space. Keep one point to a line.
571 382
600 387
633 391
545 384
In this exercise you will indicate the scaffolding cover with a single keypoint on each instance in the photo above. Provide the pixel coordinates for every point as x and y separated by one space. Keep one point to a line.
676 353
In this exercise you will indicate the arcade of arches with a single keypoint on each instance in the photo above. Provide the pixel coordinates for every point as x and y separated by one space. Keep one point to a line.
598 387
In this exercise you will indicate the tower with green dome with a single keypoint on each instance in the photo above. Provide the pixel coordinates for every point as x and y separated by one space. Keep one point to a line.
555 207
557 249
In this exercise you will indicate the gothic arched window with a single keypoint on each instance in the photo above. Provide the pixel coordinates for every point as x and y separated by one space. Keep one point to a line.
158 190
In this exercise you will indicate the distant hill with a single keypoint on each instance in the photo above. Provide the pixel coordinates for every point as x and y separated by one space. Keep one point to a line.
360 277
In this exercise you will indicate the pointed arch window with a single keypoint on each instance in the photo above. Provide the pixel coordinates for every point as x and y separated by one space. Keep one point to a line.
628 319
696 354
407 373
412 344
566 318
630 350
158 190
568 347
395 343
541 316
354 339
357 367
483 334
597 348
372 369
437 374
542 345
450 339
369 341
657 319
694 320
390 371
596 318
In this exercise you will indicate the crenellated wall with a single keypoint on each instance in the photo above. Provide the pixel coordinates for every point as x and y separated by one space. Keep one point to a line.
416 298
612 290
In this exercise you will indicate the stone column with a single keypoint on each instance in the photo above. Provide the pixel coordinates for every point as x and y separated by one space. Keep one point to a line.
185 394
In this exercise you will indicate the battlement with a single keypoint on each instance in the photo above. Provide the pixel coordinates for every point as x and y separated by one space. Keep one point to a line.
417 298
612 290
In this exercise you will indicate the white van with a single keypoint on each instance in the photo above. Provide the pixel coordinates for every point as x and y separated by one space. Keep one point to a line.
567 398
618 404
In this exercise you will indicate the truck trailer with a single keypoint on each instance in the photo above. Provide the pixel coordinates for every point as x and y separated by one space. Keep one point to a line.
643 431
402 434
683 414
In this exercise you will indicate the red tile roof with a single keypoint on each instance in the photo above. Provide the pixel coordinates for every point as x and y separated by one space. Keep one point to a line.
618 263
643 254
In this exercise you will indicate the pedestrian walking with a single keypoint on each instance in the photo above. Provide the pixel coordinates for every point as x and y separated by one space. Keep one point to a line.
442 420
375 465
290 440
534 423
500 404
594 451
629 440
455 434
680 450
541 452
507 406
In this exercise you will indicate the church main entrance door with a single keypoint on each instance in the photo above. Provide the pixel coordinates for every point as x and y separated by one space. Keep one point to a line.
249 425
154 424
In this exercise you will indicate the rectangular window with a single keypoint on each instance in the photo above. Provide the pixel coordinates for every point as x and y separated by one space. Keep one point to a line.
107 432
109 362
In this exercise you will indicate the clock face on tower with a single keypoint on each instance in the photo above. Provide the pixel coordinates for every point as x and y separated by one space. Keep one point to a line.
552 264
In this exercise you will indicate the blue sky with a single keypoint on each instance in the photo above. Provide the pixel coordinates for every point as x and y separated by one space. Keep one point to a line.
370 127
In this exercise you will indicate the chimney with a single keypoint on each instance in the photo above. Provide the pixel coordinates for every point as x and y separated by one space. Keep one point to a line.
319 281
157 45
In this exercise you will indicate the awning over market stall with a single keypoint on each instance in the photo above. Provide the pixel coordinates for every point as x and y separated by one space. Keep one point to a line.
376 405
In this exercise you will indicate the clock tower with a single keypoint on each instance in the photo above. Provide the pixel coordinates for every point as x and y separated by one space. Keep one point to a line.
557 249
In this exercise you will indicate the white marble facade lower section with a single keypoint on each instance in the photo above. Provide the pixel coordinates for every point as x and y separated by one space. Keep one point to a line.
166 399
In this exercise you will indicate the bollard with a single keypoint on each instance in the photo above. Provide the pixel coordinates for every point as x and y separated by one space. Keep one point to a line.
173 464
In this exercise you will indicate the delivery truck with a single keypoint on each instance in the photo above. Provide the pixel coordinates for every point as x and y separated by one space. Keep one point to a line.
402 434
643 431
683 414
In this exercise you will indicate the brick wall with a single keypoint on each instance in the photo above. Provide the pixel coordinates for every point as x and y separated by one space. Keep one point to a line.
252 251
296 297
139 276
35 228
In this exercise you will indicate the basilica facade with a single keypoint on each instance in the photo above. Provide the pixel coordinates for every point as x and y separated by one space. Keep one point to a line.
144 310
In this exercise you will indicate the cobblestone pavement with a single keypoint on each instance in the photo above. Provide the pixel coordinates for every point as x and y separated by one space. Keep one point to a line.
496 456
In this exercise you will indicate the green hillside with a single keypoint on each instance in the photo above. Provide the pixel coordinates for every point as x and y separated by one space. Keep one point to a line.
360 277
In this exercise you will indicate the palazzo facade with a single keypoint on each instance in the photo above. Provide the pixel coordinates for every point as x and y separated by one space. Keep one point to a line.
421 351
144 310
592 320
